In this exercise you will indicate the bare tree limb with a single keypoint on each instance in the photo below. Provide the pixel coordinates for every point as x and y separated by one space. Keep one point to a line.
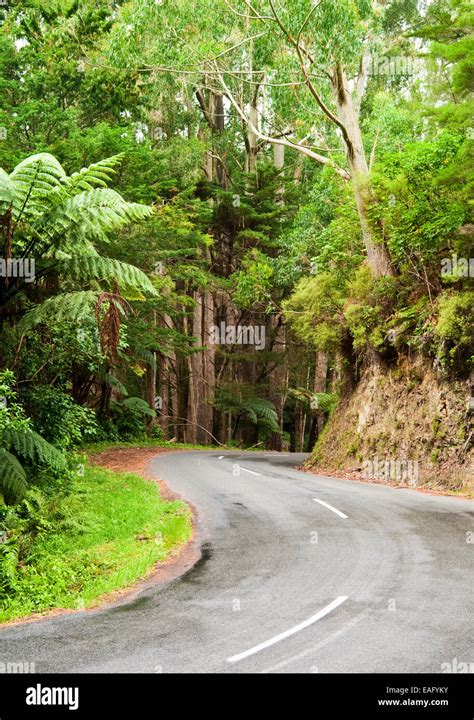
279 141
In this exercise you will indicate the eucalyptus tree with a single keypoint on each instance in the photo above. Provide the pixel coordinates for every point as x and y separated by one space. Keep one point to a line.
292 73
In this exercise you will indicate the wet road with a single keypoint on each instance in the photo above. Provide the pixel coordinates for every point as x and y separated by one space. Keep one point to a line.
298 573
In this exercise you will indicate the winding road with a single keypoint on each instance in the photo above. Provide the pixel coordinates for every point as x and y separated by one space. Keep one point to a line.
298 573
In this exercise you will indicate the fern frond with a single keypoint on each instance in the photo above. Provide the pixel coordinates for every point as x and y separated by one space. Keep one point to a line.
114 382
98 174
109 205
13 480
91 215
87 267
30 446
138 405
73 307
34 181
146 355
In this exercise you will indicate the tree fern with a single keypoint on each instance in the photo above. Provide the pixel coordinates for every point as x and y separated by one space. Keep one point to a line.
86 267
31 447
96 175
61 217
256 410
13 481
73 306
34 180
138 405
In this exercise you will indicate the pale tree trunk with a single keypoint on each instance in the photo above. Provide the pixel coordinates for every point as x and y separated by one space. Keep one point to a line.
320 380
167 388
302 433
279 163
164 394
377 252
277 380
174 403
279 156
231 372
298 171
151 375
278 377
151 388
195 360
252 142
201 372
179 385
209 369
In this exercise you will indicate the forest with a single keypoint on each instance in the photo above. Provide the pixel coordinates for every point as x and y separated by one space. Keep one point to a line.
232 223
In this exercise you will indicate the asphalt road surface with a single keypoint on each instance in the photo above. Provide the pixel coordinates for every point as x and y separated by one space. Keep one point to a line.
299 573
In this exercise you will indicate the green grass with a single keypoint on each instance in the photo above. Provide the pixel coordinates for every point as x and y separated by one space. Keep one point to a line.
93 448
122 527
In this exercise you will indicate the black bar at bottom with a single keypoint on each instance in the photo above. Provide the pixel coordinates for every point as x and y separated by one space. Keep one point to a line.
135 696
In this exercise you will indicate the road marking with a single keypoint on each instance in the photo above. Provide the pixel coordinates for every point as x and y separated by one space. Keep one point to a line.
221 457
251 471
330 507
314 618
310 651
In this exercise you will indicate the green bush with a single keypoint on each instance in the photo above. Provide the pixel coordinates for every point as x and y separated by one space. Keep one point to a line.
24 454
454 331
59 419
128 419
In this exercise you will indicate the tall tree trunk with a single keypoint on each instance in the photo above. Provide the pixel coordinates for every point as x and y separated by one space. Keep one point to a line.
278 377
209 366
320 380
377 251
252 142
164 411
277 380
195 360
151 375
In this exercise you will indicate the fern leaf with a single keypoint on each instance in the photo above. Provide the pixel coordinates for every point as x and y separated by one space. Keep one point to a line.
114 382
73 307
30 446
91 215
13 480
138 405
98 174
86 267
34 181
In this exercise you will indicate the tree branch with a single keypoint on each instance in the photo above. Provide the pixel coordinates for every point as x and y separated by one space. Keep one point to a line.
279 141
300 51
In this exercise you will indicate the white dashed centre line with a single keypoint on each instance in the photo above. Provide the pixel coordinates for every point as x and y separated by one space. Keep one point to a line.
314 618
330 507
251 471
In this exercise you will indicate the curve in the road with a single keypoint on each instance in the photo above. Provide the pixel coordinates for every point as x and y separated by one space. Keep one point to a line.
271 558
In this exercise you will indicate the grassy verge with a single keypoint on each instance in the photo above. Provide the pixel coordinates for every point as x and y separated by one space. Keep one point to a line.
93 448
118 527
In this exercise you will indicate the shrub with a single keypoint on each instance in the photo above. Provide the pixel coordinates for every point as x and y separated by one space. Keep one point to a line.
129 418
24 454
59 419
454 331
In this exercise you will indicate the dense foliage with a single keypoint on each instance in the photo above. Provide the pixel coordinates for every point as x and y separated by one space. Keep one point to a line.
301 169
